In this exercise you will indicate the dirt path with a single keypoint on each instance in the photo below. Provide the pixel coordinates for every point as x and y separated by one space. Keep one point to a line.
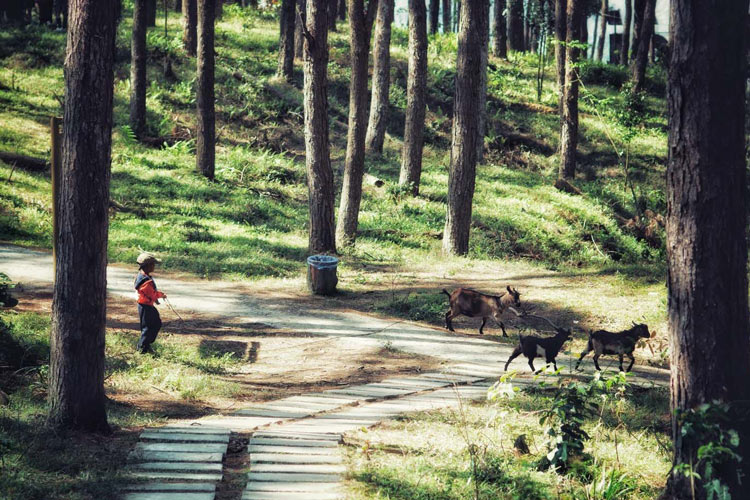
238 302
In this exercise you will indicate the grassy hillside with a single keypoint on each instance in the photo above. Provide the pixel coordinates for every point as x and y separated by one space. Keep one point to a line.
251 222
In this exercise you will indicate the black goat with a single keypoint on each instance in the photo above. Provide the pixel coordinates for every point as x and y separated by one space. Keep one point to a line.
620 343
548 347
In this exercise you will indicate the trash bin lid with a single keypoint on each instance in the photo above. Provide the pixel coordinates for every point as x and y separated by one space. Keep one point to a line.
323 261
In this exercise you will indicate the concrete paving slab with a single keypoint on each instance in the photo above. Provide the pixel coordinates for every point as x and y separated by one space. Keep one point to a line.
283 434
373 393
174 456
317 397
184 447
298 450
284 477
191 429
311 488
289 458
274 441
271 413
290 495
298 468
163 495
179 466
310 406
178 476
239 423
184 437
416 382
155 486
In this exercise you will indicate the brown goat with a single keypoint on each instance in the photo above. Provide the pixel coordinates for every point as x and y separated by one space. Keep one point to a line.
475 304
620 343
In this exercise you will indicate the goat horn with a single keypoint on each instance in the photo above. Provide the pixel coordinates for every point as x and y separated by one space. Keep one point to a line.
542 318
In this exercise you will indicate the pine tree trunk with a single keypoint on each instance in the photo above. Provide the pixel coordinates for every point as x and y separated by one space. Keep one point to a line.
472 34
285 68
360 26
569 115
638 11
501 34
447 7
76 386
342 10
45 11
640 57
205 144
219 10
333 7
482 116
706 231
320 186
299 19
416 91
515 25
602 31
561 30
381 76
150 13
625 48
189 26
434 16
138 69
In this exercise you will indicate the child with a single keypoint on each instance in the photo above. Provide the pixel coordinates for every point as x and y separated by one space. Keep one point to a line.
148 295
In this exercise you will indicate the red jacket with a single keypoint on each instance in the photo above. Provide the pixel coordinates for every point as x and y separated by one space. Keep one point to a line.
147 292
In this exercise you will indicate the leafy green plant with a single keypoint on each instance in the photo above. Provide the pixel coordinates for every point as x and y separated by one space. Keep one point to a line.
6 285
610 485
707 435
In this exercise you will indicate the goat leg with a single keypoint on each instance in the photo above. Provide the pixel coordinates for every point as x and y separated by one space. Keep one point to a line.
596 362
620 358
632 361
502 327
481 328
516 352
448 322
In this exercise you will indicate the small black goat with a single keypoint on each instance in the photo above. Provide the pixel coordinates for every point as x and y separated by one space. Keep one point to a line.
620 343
547 347
475 304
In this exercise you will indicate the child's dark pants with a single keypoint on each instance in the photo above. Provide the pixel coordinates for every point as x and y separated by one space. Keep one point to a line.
150 326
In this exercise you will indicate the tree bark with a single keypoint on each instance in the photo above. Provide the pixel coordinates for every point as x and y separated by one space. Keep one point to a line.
434 16
416 91
473 26
569 115
515 25
138 69
500 47
447 7
640 57
45 11
342 10
706 228
285 68
482 116
150 12
561 31
320 186
299 20
333 7
219 10
625 48
189 26
381 75
360 25
205 144
76 386
638 10
602 31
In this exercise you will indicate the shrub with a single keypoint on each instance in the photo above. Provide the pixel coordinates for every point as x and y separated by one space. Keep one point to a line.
599 73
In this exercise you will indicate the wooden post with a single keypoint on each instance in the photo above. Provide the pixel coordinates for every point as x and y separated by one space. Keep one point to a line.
55 171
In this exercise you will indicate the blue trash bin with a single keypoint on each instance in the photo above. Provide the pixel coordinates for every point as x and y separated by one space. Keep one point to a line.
321 274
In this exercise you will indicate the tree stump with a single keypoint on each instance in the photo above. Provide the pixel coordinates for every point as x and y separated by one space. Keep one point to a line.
321 274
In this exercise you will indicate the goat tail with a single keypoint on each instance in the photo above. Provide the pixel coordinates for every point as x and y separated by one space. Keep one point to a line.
446 292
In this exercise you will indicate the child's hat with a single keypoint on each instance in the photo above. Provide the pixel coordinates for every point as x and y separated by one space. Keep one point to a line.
147 258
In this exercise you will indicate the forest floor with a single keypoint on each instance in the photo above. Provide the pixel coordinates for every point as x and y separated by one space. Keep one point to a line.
580 260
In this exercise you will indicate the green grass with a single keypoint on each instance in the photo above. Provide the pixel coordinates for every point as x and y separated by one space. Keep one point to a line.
425 455
251 222
40 463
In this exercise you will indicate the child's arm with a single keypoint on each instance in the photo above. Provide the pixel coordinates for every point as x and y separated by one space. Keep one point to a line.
149 291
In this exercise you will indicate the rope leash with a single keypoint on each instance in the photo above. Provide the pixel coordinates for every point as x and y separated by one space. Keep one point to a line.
173 310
